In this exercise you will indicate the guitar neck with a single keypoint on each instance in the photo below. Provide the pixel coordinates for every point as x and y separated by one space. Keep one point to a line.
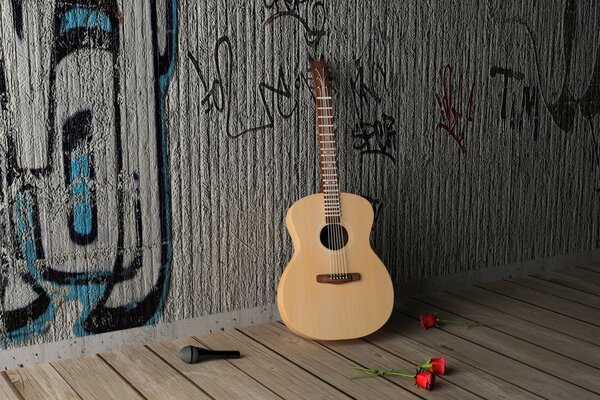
327 143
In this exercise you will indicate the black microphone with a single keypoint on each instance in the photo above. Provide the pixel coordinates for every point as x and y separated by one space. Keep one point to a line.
193 354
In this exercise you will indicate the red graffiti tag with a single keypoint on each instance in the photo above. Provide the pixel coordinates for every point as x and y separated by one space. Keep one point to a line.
452 121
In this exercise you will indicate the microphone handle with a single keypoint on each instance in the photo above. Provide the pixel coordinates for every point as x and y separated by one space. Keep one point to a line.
223 353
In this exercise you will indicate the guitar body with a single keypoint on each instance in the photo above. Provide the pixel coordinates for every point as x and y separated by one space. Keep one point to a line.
333 311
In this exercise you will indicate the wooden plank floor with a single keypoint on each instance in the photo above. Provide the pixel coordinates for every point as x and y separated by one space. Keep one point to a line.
544 344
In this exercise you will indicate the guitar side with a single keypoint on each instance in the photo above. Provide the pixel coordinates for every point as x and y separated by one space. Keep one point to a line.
325 311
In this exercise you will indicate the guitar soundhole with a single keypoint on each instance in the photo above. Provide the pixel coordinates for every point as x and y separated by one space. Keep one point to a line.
334 236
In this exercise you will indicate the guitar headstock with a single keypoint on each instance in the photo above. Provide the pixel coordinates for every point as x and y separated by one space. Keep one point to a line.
320 77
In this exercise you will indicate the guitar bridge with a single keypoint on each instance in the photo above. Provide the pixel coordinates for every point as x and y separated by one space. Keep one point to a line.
338 278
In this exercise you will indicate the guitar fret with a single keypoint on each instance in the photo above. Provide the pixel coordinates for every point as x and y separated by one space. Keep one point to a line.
327 151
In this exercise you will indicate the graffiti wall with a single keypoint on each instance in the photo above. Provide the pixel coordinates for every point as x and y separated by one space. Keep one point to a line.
85 182
149 150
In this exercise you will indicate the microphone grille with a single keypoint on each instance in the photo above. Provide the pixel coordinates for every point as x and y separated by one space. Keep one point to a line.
187 354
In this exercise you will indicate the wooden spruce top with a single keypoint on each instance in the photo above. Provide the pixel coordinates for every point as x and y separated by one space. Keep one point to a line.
327 144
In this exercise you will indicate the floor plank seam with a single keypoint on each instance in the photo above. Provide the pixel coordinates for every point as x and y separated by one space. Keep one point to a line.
523 319
173 368
297 365
121 376
366 366
66 381
566 275
442 377
511 358
587 268
549 293
445 378
539 306
471 365
549 279
513 336
241 370
12 387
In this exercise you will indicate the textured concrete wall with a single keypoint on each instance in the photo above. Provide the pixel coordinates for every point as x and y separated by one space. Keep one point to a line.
150 149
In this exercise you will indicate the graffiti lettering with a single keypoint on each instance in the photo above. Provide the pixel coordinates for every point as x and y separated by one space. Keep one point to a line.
310 13
215 95
376 137
529 101
452 119
53 198
218 93
374 131
564 110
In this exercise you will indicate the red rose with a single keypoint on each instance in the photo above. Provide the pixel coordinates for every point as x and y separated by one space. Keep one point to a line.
425 379
428 321
438 365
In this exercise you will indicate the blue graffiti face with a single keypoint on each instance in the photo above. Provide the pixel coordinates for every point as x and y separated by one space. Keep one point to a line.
86 178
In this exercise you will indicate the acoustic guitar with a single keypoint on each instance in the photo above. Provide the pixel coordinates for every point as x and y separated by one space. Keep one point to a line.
335 287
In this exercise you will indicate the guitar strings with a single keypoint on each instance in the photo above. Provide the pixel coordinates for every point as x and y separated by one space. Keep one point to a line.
332 262
332 200
338 266
331 195
338 239
340 247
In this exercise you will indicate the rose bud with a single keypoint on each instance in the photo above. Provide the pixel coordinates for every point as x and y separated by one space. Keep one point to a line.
428 321
438 365
425 379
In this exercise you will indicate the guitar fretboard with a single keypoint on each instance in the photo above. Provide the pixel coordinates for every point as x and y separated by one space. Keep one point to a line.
327 149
